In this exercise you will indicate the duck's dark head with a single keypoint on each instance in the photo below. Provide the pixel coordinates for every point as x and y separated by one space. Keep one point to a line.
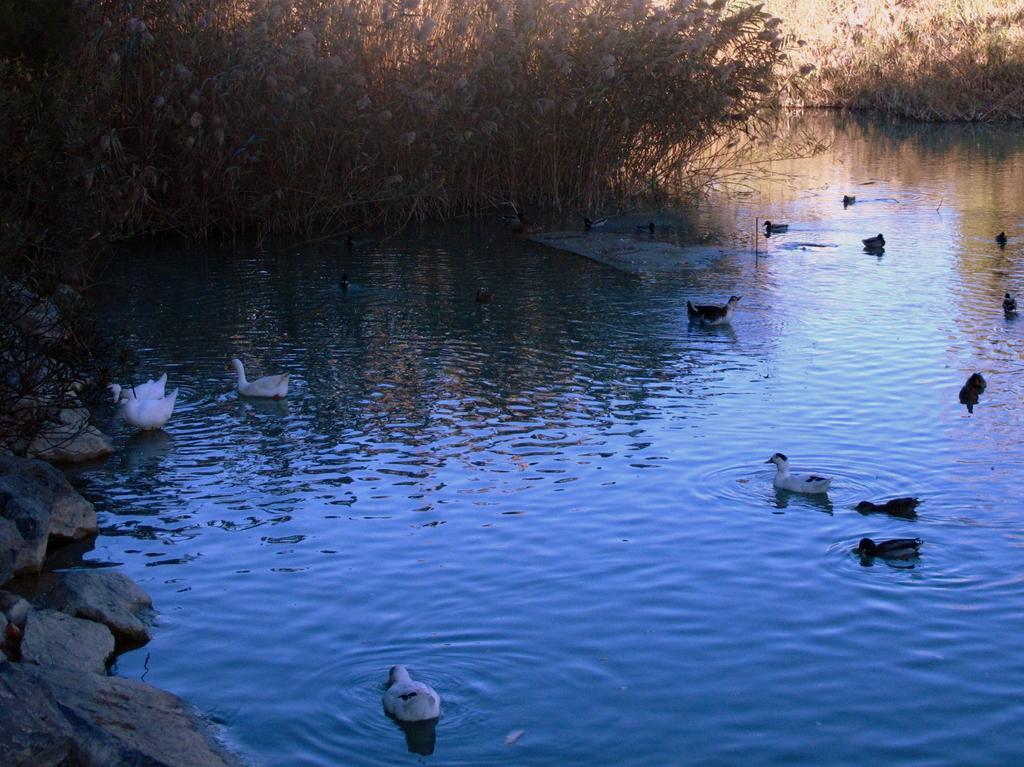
767 226
976 381
866 546
880 238
778 459
734 299
865 506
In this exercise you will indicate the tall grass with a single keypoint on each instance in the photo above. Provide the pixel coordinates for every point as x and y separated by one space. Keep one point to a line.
934 60
200 115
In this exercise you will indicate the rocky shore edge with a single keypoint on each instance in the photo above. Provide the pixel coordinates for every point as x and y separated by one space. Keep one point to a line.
60 629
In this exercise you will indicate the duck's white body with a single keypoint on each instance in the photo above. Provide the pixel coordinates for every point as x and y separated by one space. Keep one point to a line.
267 386
148 413
149 390
410 701
810 484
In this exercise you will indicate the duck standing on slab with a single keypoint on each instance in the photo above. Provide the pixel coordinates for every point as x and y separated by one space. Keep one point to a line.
149 390
709 314
275 386
770 228
409 701
971 391
1001 239
848 200
896 507
896 548
875 243
810 484
1009 304
152 413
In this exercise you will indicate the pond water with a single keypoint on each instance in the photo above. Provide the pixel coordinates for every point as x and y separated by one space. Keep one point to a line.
554 507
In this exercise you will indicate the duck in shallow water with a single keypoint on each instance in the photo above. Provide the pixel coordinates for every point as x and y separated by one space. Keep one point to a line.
145 414
874 243
848 200
770 228
274 386
410 701
896 548
896 507
971 391
596 223
797 483
1009 304
709 314
1001 239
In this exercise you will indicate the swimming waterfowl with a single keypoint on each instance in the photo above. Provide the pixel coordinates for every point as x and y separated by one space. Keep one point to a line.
770 228
275 386
483 296
797 483
149 390
709 314
595 223
895 548
972 390
896 507
1009 304
1001 239
848 200
344 281
874 243
151 413
518 224
410 701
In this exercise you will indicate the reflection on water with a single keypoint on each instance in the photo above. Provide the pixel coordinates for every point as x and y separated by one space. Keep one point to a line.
554 502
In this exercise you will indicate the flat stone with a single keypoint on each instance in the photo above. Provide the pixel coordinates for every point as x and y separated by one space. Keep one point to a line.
70 441
632 254
61 717
104 596
71 516
54 638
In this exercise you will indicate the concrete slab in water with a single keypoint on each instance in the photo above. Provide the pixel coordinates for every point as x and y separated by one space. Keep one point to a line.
632 254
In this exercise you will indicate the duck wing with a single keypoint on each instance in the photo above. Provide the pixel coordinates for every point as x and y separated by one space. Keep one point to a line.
898 544
706 311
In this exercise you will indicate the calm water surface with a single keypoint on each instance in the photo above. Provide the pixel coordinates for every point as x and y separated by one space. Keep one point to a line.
555 509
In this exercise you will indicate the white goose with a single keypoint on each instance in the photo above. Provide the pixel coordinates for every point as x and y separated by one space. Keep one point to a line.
145 413
410 701
797 483
149 390
267 386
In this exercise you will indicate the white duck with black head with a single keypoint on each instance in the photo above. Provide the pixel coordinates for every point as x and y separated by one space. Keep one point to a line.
408 700
811 484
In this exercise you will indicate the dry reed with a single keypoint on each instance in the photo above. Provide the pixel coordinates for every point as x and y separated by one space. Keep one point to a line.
934 60
200 115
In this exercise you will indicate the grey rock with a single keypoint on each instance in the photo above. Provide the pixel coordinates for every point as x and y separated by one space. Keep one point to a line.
24 526
33 730
53 638
70 439
104 596
71 516
100 721
14 608
3 636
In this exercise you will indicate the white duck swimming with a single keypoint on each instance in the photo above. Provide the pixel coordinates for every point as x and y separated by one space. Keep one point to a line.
267 386
149 390
797 483
145 413
410 701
